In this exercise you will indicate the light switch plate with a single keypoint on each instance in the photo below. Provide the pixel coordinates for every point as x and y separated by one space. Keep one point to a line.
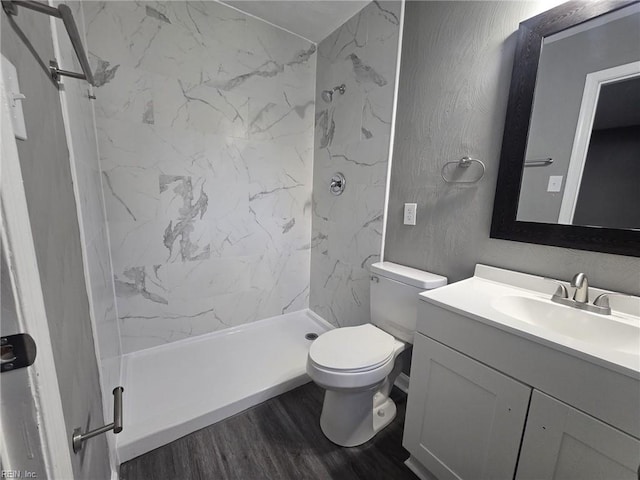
555 183
410 210
14 97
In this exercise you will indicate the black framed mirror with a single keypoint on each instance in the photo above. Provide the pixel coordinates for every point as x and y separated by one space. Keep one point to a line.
551 134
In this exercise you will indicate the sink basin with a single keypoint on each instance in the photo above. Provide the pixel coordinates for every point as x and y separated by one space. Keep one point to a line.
607 331
520 304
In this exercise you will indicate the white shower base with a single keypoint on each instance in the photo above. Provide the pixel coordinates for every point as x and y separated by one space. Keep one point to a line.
175 389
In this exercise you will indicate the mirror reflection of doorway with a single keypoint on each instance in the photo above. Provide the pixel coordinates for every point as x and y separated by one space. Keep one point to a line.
602 181
609 193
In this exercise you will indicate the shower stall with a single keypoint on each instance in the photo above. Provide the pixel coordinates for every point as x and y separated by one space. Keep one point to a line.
212 243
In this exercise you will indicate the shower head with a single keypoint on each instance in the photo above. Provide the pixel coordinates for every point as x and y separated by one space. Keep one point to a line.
327 95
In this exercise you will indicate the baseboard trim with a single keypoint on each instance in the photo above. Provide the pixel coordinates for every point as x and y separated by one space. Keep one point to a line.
402 382
419 471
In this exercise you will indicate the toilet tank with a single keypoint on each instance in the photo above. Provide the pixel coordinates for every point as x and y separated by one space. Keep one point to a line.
394 297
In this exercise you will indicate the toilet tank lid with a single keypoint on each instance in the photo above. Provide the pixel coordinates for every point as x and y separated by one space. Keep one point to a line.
408 275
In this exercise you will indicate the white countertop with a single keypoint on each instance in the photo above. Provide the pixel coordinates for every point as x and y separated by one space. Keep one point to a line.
475 298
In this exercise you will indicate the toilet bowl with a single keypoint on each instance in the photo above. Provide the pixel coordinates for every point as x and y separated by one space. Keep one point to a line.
358 365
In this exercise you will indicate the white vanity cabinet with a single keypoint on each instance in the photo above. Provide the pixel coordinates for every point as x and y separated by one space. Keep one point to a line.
464 420
561 443
532 392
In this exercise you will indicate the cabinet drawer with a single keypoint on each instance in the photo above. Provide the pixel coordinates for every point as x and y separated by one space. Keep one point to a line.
464 420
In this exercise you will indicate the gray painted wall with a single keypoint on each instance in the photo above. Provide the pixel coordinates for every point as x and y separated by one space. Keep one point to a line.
562 74
54 222
86 175
352 136
454 81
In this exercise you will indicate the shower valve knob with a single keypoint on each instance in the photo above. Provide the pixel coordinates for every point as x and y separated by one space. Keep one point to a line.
337 184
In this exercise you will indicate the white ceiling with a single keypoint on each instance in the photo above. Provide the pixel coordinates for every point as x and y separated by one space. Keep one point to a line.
314 20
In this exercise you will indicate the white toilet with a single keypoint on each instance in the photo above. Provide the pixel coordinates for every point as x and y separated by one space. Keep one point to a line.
358 365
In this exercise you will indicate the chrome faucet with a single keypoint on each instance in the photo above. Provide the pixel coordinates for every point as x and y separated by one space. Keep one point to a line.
581 284
581 296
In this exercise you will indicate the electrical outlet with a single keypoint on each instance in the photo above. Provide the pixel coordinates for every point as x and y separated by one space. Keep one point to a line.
410 210
555 183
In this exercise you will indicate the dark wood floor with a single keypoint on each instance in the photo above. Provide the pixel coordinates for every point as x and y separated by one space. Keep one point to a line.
277 440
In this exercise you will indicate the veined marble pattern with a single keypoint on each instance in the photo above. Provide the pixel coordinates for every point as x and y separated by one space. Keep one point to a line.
205 121
352 136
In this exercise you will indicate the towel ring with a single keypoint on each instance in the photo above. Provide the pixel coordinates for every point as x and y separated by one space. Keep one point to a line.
464 162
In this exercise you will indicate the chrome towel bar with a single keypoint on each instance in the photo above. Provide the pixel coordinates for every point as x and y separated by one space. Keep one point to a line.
63 12
116 426
542 162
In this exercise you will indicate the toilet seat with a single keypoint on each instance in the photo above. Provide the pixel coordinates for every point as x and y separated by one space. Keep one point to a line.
353 349
353 357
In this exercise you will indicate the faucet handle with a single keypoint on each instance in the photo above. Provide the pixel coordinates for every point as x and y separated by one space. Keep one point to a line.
602 301
561 291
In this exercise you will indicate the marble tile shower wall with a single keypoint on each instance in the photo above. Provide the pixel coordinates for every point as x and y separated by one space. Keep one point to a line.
352 135
205 129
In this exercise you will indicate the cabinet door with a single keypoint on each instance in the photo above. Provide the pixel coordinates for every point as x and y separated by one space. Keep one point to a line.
561 442
464 420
